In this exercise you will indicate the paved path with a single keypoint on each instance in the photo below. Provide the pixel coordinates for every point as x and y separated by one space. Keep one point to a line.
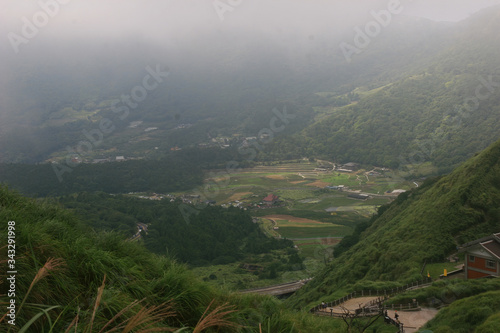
413 320
354 303
351 305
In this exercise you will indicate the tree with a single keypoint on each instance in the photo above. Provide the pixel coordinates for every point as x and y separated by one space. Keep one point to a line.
355 320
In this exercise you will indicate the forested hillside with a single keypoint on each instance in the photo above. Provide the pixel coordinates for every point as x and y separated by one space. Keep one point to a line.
424 225
164 175
213 235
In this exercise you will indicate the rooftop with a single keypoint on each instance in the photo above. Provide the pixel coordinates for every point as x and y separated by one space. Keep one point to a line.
490 243
271 197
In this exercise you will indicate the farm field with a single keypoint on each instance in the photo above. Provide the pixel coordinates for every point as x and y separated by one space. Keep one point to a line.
299 185
294 233
314 239
317 249
313 216
301 188
296 228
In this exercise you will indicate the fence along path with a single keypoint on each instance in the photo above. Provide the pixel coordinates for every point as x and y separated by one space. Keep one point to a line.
373 298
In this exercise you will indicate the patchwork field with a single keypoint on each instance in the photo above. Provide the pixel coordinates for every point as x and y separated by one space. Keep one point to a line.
293 221
313 216
313 238
296 228
300 186
295 233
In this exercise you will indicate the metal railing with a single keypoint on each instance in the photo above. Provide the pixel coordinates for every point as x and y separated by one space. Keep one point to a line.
364 293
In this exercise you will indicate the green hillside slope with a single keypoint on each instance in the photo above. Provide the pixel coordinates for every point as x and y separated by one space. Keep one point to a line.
44 232
423 225
480 314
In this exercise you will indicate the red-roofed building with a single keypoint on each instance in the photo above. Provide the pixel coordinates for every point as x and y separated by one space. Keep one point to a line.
271 199
482 257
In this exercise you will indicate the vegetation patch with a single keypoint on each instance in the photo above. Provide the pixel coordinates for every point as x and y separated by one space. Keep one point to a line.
317 232
294 219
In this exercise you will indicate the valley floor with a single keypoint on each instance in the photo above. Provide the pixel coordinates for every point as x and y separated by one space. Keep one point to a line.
314 207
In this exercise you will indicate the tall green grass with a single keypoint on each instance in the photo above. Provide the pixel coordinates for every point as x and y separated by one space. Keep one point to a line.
472 314
72 279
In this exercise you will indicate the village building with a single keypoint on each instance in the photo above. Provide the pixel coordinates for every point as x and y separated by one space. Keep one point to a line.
335 187
351 166
100 160
482 257
358 196
270 200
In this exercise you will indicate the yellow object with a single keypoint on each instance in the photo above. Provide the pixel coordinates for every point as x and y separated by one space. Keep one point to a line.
428 274
445 272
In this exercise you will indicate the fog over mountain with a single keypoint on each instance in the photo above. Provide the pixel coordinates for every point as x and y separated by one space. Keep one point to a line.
211 146
60 53
190 28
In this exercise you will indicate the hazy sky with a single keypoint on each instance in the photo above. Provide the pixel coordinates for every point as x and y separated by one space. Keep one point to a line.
160 18
166 22
448 10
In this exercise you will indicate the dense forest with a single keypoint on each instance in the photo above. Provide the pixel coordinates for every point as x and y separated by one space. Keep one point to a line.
213 235
163 176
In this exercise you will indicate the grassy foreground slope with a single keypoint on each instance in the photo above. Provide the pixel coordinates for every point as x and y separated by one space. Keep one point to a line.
422 225
480 313
62 263
70 278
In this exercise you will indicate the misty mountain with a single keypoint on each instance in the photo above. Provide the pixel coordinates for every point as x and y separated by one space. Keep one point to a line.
223 82
401 100
442 112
